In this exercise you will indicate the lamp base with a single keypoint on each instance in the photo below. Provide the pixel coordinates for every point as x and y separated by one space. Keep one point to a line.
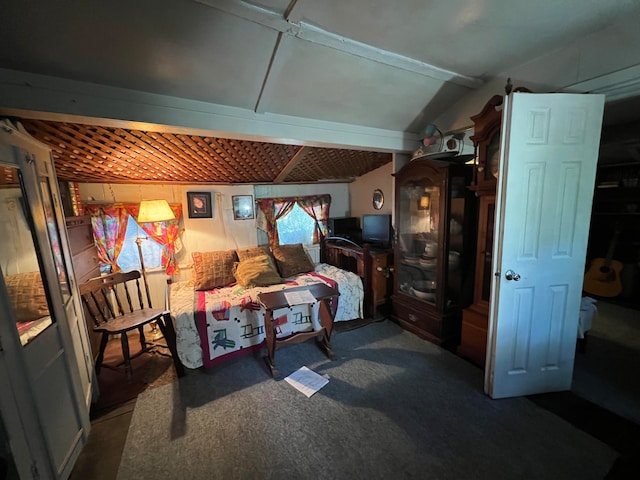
156 334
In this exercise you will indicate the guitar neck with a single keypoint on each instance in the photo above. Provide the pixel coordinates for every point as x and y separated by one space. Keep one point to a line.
611 249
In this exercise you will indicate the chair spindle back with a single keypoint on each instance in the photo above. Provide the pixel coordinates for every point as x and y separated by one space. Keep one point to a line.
102 296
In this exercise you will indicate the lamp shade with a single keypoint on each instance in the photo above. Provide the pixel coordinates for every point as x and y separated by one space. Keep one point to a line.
155 211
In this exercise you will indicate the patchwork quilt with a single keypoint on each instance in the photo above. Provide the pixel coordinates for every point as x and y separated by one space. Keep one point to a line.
215 325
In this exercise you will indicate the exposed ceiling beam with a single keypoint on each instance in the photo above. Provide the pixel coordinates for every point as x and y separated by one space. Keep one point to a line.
43 97
291 25
617 85
268 74
293 13
290 15
291 164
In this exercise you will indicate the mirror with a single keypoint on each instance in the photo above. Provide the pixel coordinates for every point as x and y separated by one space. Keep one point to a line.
54 238
378 199
19 260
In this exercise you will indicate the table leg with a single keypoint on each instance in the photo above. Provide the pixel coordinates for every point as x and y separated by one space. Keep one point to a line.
326 320
271 343
165 322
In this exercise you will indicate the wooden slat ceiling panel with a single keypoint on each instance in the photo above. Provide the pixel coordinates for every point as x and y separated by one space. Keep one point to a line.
326 164
94 154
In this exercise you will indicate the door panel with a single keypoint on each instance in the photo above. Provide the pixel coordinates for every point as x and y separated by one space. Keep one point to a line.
44 387
57 407
547 171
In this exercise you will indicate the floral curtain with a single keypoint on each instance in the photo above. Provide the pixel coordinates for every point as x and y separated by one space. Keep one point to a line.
110 225
316 206
273 209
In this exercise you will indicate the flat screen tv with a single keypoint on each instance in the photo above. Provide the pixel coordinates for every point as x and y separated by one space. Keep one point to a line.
377 230
344 227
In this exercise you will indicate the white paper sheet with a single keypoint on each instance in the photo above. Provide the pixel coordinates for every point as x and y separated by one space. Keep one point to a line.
299 297
306 380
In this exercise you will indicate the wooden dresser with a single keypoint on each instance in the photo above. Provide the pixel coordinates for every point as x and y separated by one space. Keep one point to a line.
84 257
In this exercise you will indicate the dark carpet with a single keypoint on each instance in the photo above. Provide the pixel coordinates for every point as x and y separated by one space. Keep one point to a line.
395 407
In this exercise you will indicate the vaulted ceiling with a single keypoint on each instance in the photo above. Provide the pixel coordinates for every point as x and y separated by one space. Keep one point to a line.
275 90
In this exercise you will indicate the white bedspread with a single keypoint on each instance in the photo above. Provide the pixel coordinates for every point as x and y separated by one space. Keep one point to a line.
233 321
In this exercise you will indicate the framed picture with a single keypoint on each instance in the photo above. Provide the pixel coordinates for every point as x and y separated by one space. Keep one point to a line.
199 204
242 207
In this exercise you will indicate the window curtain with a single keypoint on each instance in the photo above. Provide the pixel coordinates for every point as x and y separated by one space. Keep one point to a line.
316 206
109 224
273 209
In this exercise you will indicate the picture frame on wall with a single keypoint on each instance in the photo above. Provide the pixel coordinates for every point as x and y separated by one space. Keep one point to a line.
243 207
199 205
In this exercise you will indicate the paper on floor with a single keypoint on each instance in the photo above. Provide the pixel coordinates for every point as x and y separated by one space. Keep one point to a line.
306 380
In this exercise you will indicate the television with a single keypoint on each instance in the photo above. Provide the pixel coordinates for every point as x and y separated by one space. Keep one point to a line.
377 230
347 227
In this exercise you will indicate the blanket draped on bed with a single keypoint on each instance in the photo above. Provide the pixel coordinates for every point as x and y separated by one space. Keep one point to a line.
215 325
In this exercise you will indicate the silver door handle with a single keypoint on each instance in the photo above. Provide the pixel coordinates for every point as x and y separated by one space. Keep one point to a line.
511 275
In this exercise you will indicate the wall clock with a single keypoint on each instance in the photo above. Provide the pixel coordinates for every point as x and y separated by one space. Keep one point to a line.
378 199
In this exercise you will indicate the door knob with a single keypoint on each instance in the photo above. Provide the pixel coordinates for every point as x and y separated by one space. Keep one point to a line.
511 275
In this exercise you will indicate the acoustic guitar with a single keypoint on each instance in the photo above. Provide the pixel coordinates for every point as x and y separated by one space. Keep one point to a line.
603 277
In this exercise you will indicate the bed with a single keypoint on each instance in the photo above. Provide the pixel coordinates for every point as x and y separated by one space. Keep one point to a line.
224 321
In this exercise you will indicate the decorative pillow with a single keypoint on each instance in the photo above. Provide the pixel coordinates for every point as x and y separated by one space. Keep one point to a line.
28 298
213 269
257 271
253 252
292 260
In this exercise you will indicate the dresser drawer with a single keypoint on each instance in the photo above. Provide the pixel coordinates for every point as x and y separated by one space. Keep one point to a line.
80 234
86 265
418 318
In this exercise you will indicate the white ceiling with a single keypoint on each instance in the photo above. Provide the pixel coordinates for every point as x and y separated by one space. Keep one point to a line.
393 65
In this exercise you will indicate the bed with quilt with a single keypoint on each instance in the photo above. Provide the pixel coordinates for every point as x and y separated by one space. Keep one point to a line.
217 314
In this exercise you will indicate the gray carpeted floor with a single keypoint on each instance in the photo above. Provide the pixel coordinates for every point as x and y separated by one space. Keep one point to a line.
607 372
395 407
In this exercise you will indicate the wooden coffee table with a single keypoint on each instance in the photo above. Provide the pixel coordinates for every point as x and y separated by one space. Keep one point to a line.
274 300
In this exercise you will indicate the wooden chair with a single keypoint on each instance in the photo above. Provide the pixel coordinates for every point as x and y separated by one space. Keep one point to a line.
104 301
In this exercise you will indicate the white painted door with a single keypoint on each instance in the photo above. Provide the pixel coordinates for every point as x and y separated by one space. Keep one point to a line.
43 397
549 152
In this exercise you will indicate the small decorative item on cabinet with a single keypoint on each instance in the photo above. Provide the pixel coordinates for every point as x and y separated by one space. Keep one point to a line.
435 226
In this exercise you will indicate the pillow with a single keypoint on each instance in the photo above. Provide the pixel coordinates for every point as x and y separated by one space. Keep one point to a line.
28 298
252 252
213 269
292 260
259 271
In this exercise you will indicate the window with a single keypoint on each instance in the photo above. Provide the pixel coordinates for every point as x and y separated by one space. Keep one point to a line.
288 220
151 250
296 227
